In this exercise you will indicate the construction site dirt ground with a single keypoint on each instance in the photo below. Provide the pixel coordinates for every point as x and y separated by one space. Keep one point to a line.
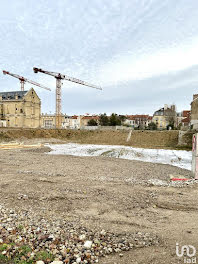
104 193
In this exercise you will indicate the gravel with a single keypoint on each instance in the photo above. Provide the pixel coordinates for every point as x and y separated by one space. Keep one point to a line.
51 205
32 238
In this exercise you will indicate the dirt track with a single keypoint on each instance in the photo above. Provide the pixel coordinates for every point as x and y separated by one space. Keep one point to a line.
104 193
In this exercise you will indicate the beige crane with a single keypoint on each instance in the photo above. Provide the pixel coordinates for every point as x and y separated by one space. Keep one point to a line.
60 77
23 80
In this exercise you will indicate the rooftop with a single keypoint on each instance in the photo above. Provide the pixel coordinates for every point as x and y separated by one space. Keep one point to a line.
12 95
133 117
90 117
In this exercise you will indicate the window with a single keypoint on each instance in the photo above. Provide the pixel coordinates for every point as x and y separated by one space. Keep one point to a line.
48 123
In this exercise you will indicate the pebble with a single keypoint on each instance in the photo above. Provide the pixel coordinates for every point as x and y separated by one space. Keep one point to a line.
78 260
88 244
56 262
82 237
103 232
69 242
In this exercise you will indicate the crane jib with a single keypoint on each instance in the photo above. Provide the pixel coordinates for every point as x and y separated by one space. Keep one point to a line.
60 77
23 80
71 79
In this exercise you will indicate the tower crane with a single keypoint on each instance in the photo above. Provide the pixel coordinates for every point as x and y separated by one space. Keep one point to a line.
23 80
60 77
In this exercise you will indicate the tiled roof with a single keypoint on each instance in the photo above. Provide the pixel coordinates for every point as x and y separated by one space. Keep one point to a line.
90 117
186 120
133 117
11 95
186 113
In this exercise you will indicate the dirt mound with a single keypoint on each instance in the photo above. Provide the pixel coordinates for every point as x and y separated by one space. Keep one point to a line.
145 139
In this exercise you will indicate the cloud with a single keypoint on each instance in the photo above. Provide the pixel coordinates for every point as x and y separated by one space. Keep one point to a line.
128 68
140 52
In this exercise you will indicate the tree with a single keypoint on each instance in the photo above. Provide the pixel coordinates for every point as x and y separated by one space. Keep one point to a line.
92 122
103 120
171 123
114 120
122 118
152 126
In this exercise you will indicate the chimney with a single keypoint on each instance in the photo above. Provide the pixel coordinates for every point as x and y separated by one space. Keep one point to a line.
0 97
16 96
173 107
165 107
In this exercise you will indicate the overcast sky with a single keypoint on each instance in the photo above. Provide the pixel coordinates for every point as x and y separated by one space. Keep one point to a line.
144 53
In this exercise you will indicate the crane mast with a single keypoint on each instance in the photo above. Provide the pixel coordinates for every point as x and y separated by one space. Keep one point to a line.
23 80
58 102
59 77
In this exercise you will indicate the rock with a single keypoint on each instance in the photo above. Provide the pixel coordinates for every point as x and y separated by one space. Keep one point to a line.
96 241
50 237
82 237
88 244
103 232
78 260
68 242
110 250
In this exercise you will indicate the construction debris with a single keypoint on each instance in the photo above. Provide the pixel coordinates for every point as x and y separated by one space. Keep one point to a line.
16 145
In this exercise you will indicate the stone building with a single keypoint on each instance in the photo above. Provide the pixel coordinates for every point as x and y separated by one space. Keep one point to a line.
183 119
138 121
194 112
48 121
73 122
85 119
165 116
70 122
20 109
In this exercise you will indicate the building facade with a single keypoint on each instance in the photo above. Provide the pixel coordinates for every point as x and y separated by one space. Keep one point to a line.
85 119
48 121
194 112
183 119
165 116
73 122
70 122
138 121
20 109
